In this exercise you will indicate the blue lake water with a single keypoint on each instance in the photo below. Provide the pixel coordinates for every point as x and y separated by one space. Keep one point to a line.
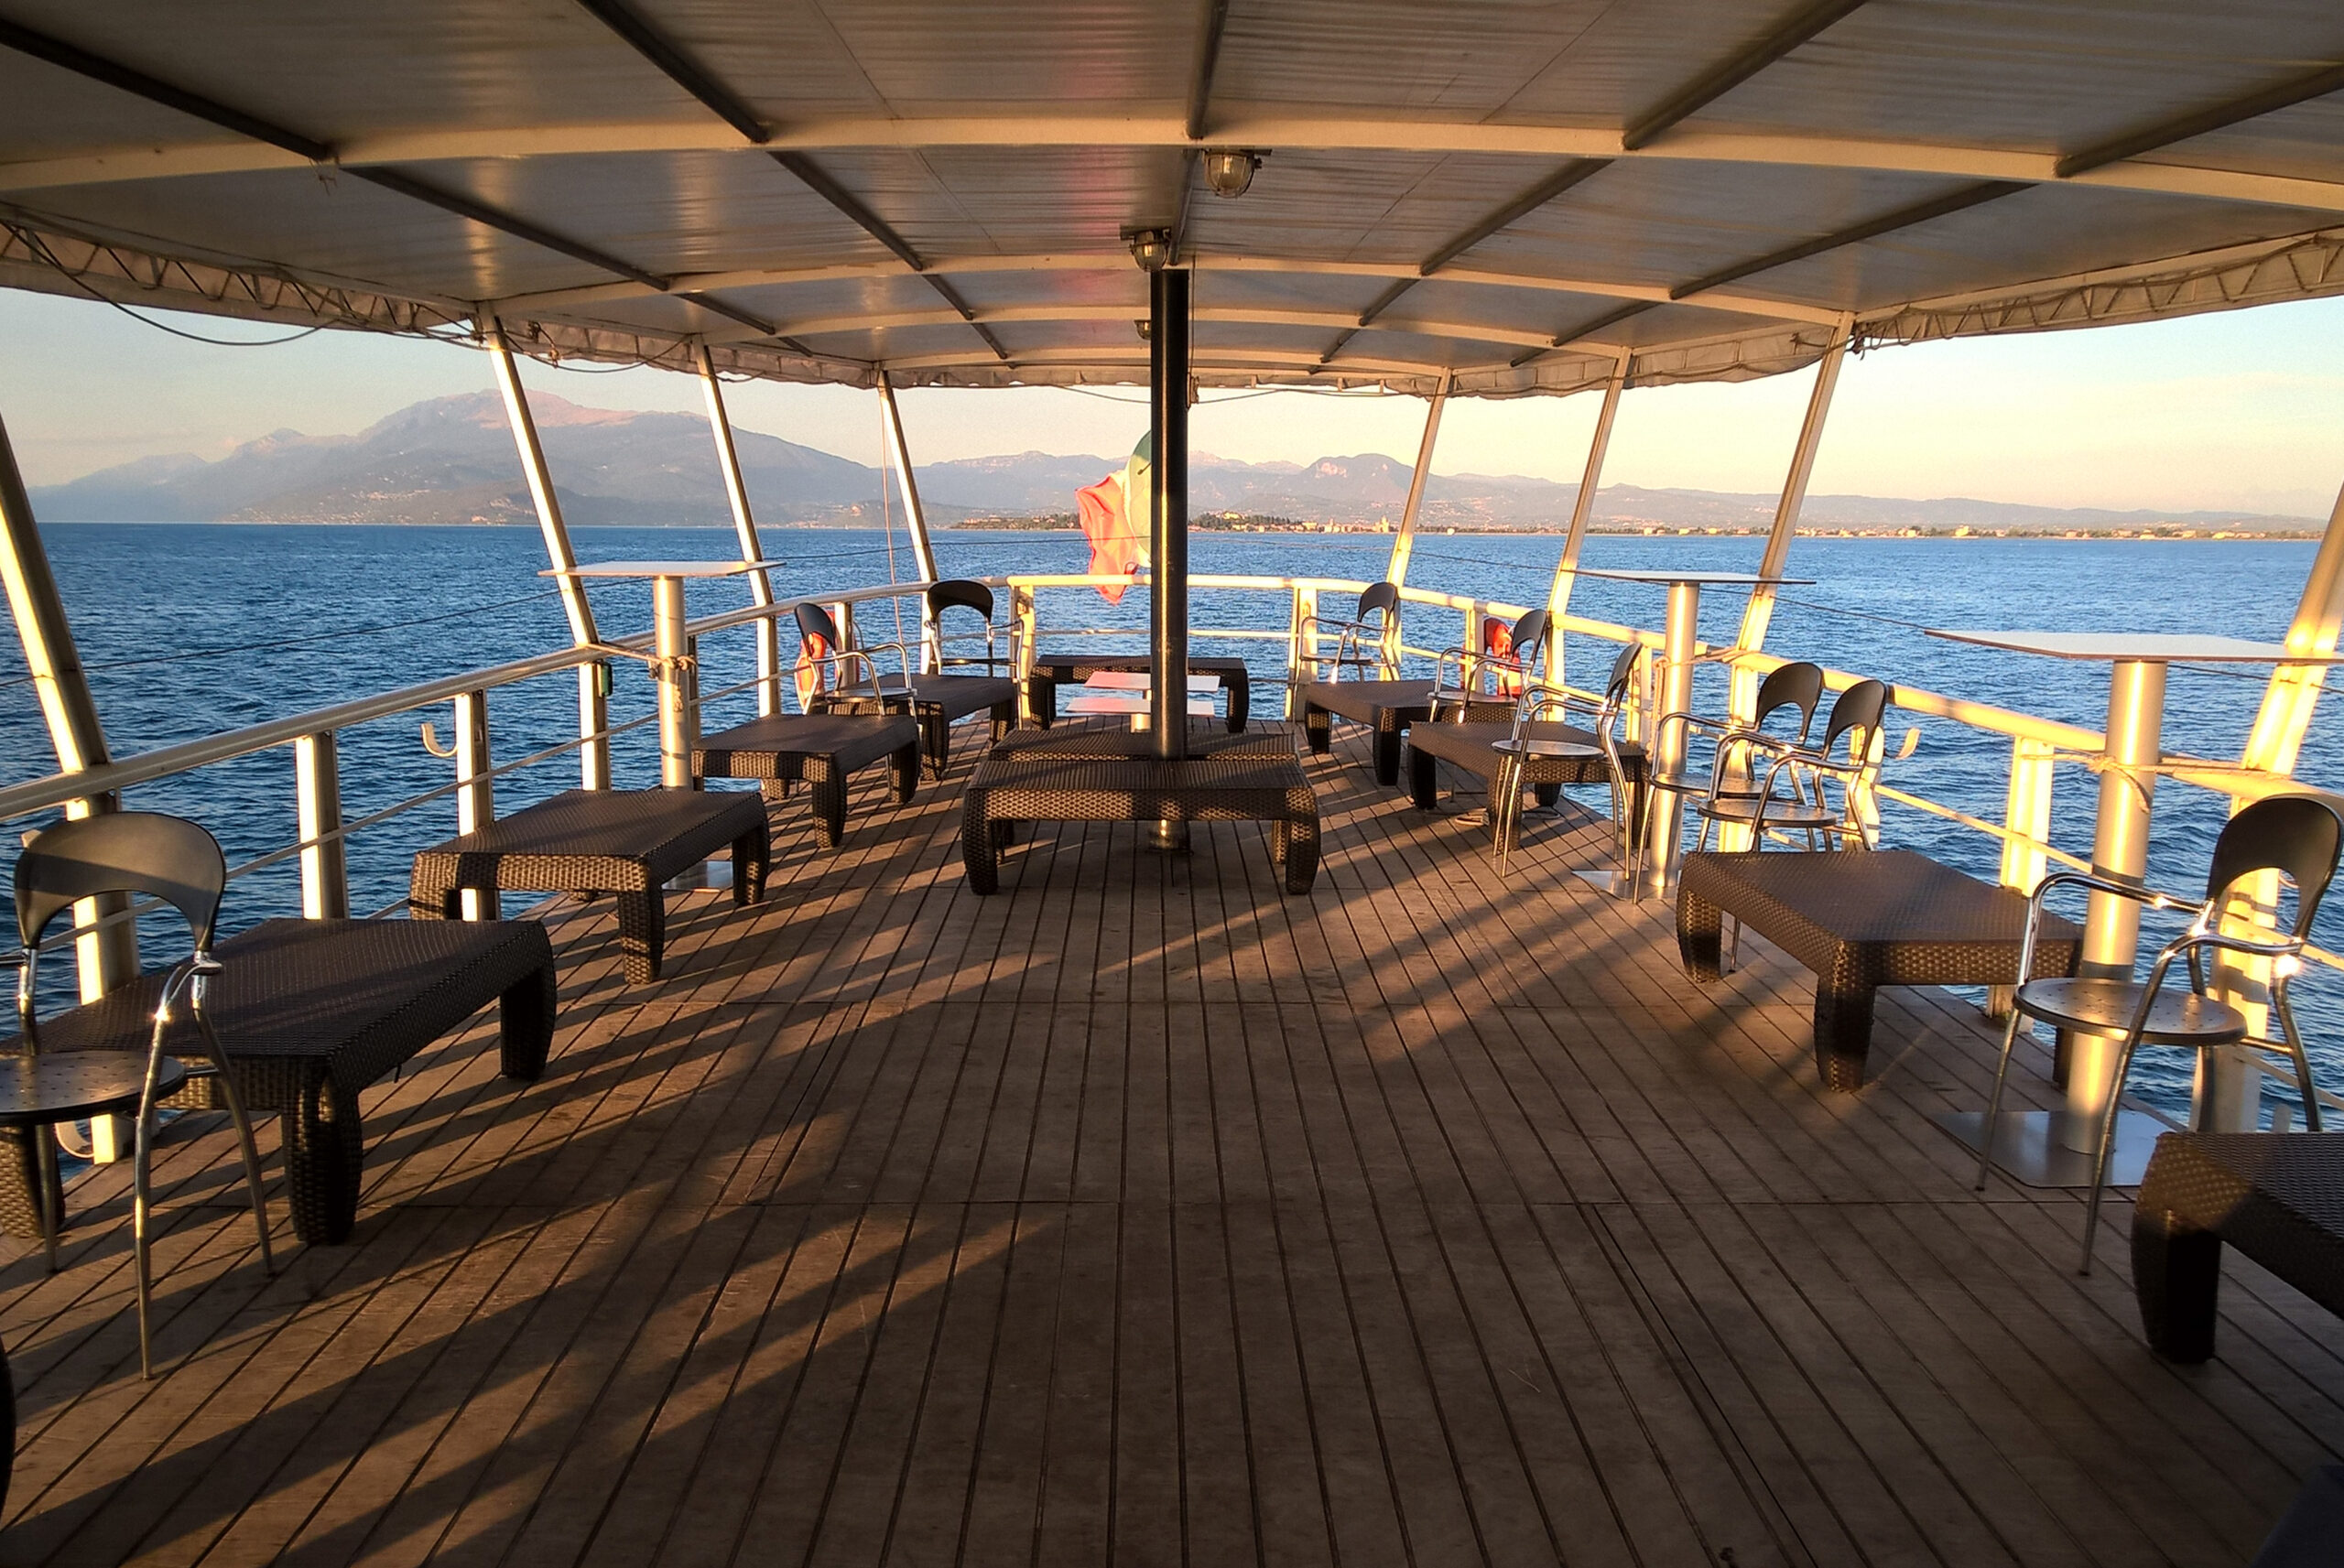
289 618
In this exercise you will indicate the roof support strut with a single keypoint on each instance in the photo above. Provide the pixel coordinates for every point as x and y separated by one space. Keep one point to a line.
1404 544
108 956
914 519
744 524
1732 71
1760 610
1558 597
593 706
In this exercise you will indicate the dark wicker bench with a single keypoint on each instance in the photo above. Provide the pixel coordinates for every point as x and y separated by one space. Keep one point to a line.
1024 788
2276 1196
1113 738
1469 747
938 702
310 1012
819 749
1386 707
1052 670
626 842
1862 919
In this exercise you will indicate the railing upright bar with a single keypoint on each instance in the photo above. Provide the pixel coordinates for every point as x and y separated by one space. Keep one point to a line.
325 868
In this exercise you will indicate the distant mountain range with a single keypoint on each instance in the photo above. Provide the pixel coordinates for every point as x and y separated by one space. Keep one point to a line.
450 460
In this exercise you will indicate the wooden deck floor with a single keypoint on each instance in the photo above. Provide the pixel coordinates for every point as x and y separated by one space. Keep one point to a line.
1144 1215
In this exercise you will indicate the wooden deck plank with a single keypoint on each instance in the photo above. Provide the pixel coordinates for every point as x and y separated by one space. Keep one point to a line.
1144 1212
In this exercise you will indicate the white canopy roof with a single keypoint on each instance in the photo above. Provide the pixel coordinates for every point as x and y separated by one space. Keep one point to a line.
1512 196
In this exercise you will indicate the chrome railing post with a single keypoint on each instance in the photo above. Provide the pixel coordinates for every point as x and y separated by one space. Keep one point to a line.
2027 813
1024 628
1301 649
476 791
317 793
1471 643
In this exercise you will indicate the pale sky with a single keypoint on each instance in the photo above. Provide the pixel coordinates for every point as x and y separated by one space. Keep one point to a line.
2235 410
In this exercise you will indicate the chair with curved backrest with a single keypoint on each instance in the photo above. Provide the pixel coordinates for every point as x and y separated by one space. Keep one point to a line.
961 594
1489 675
1856 718
136 852
1620 762
1379 600
2298 836
936 698
1798 688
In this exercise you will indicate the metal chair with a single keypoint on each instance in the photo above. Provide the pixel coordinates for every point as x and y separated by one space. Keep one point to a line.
851 673
1856 718
1796 687
963 594
160 857
1483 677
2298 836
936 698
1379 600
1623 760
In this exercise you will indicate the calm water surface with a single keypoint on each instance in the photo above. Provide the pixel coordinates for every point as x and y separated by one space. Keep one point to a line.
289 618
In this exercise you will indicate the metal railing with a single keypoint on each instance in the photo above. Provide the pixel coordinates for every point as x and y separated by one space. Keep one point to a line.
2038 746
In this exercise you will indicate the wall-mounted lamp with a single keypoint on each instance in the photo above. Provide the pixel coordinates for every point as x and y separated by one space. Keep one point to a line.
1152 248
1230 171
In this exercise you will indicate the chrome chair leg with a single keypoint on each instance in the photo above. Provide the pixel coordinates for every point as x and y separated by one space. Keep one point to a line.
2302 1066
2107 1149
234 1096
1994 1100
140 1204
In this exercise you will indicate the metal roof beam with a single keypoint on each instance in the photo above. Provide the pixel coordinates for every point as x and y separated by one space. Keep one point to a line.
2149 139
679 69
1732 71
1216 20
1960 201
1522 206
137 84
1583 332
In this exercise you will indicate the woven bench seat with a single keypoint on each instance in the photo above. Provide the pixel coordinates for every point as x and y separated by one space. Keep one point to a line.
1006 790
1052 670
2276 1196
1470 748
310 1012
1386 707
819 748
1113 738
622 841
938 701
1862 919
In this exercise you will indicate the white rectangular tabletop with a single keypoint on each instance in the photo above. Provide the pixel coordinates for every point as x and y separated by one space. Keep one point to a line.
1139 680
1131 702
1701 579
658 569
2153 647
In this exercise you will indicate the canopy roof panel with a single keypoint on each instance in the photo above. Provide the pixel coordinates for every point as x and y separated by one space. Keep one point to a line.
1499 197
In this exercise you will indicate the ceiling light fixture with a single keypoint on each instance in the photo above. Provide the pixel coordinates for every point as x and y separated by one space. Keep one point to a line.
1152 248
1230 171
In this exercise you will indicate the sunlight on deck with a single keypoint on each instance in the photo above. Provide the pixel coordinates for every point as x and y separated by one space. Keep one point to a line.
1144 1214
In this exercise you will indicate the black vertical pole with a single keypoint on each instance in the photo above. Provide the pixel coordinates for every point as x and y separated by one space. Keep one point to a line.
1168 511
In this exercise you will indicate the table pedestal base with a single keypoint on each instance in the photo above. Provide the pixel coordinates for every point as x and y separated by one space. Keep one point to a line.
2027 1146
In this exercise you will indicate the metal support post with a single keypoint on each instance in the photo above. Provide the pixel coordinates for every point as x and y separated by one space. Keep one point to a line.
914 519
2120 850
1558 597
1760 611
744 524
476 791
593 706
1168 525
316 786
1024 626
107 956
1665 808
1301 650
1404 544
678 709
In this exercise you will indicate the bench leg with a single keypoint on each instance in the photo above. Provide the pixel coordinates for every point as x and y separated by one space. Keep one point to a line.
1042 698
2177 1276
828 784
752 860
1005 717
642 932
906 764
1241 702
1424 779
977 844
524 1025
1842 1036
1700 927
1387 757
1318 728
936 736
429 898
1302 852
325 1152
20 1182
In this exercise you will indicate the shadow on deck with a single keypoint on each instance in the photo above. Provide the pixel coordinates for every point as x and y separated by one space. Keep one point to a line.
1144 1214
